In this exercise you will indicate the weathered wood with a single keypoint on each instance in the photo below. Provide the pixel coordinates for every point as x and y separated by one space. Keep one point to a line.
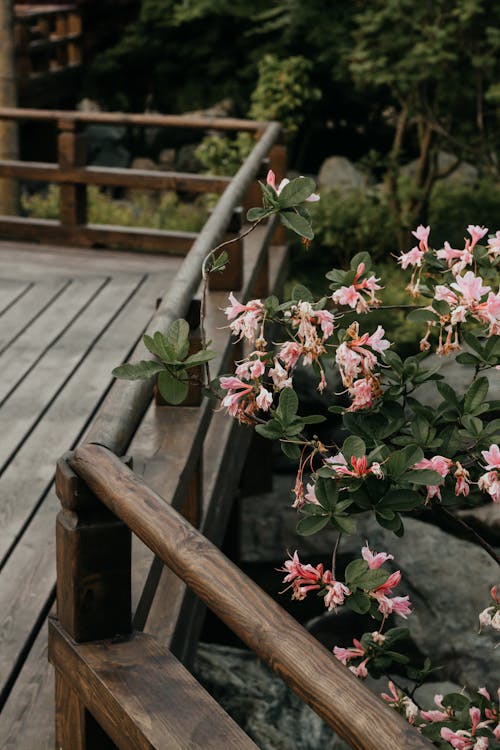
28 506
72 152
142 696
138 179
327 686
36 298
278 163
122 411
122 118
48 230
10 291
9 191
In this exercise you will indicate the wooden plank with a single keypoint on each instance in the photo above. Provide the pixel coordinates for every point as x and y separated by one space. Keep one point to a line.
145 179
10 291
27 719
93 298
35 300
121 118
142 696
35 342
85 235
28 577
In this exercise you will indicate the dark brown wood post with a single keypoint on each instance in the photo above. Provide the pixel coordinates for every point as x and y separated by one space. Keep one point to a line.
93 553
75 46
72 152
231 278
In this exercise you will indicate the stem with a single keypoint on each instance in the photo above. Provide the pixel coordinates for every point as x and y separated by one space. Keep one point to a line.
205 271
334 555
471 533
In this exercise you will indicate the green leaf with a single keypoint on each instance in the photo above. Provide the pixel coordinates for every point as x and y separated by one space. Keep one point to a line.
456 701
290 449
401 460
476 394
422 315
447 393
173 389
354 571
466 358
288 405
297 224
353 446
177 338
359 602
199 358
254 214
345 524
296 192
441 306
220 262
401 500
326 493
138 370
422 476
362 257
272 430
158 346
313 419
312 524
301 293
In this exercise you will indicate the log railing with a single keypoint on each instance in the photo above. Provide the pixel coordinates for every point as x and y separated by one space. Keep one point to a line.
85 614
73 176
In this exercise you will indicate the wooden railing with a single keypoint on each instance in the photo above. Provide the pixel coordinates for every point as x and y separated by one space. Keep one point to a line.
49 44
93 674
73 175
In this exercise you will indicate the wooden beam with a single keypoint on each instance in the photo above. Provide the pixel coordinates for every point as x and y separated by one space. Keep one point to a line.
142 696
350 709
144 179
86 235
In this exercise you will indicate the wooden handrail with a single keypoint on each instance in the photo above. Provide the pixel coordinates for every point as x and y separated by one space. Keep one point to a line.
124 118
359 717
122 410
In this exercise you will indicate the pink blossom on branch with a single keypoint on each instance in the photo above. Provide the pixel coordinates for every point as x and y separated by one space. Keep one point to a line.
271 181
375 560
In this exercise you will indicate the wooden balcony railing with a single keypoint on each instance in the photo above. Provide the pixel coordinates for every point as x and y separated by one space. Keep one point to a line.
73 175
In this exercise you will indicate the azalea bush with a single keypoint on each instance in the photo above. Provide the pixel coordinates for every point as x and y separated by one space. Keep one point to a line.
400 456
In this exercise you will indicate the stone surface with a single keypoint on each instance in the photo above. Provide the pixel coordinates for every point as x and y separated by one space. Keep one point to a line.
338 173
464 174
144 162
458 376
260 702
448 581
485 520
166 159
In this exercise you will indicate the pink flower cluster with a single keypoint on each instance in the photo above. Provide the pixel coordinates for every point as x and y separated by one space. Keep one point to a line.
399 605
401 702
490 482
490 617
245 320
357 360
360 295
305 578
358 467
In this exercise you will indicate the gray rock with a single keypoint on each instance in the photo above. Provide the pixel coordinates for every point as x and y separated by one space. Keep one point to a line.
338 173
458 376
166 159
448 581
187 160
105 146
464 174
260 702
485 520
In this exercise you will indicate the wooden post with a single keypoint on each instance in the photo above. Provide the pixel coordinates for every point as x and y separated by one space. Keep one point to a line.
93 592
231 279
9 148
72 152
75 47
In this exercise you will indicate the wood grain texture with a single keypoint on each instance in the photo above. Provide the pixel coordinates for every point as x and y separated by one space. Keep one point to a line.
142 696
10 291
138 179
320 680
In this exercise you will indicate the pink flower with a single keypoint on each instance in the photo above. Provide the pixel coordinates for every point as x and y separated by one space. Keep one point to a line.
237 390
440 464
462 477
348 295
492 457
362 394
494 245
325 319
290 353
412 258
280 376
446 295
245 319
264 399
476 233
361 670
377 342
374 560
470 287
310 496
490 483
346 654
448 253
460 740
434 715
422 234
489 312
336 593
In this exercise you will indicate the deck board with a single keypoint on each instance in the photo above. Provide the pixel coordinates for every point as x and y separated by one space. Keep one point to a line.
76 315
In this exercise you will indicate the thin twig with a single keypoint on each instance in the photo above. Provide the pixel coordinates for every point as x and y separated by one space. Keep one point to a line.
442 511
334 555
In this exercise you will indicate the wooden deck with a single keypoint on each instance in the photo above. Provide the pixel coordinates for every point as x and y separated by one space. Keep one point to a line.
67 317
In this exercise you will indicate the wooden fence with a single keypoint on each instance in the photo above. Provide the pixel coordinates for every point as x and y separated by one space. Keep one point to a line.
73 175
